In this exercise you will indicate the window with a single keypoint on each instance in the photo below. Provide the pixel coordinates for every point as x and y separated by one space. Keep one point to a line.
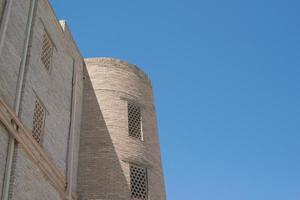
38 121
138 182
47 51
134 121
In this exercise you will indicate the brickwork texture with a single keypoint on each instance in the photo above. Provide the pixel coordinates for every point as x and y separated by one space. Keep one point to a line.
85 134
106 149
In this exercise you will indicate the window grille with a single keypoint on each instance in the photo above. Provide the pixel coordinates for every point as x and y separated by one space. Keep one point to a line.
134 121
47 51
38 121
138 183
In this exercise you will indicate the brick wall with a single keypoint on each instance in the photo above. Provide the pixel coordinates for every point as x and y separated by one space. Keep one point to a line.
30 183
106 149
2 4
3 153
53 88
102 149
12 50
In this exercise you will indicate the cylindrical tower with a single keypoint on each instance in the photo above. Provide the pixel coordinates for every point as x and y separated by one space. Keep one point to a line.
119 146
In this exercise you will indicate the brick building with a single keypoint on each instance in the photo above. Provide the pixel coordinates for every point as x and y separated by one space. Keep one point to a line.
71 128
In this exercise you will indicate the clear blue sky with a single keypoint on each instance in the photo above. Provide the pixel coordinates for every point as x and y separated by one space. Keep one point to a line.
226 76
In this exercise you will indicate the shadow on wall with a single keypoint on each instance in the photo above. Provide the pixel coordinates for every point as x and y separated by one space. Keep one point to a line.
100 175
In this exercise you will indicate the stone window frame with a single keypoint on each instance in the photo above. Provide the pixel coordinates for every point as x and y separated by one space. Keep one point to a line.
41 136
146 184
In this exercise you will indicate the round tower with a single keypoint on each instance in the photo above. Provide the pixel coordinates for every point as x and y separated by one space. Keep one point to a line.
119 145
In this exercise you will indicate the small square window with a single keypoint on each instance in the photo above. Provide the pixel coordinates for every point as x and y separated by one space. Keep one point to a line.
47 51
38 121
134 121
138 182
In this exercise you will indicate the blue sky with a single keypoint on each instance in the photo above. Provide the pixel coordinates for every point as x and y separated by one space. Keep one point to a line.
227 87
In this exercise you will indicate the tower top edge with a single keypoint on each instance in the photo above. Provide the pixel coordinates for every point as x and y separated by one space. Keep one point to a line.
115 62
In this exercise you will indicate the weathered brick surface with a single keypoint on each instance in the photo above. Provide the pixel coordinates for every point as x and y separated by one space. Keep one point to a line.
106 148
53 88
3 153
30 183
100 126
12 50
2 4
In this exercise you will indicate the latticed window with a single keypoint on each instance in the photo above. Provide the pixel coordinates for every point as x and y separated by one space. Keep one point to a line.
47 51
138 182
38 121
134 121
